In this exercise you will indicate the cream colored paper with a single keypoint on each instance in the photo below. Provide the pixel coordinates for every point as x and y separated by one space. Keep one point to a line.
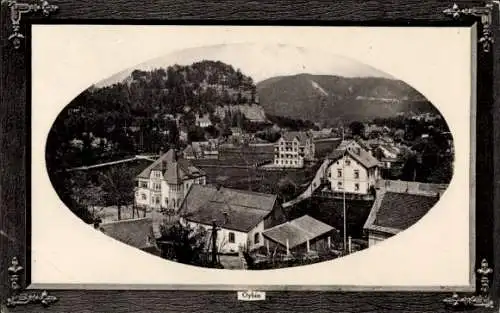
436 61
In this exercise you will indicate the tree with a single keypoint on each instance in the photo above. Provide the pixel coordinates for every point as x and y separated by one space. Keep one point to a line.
286 188
118 187
183 244
357 128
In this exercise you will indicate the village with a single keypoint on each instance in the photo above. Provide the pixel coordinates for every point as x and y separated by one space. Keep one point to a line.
231 225
188 164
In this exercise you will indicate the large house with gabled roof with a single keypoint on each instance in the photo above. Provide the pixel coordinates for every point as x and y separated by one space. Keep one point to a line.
165 183
352 169
293 148
241 216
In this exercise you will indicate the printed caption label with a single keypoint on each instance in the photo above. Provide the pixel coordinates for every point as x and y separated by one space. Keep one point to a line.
251 295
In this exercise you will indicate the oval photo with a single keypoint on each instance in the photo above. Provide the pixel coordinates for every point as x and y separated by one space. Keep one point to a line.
250 156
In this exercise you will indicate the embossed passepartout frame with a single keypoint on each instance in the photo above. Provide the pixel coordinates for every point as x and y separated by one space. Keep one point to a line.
15 96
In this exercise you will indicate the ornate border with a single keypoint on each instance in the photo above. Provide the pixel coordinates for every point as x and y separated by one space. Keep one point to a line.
485 12
18 297
482 299
18 9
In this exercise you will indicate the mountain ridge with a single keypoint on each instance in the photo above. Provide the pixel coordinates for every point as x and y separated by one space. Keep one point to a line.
320 98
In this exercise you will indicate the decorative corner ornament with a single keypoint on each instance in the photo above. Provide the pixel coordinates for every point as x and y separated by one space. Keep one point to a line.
485 13
481 300
18 9
23 298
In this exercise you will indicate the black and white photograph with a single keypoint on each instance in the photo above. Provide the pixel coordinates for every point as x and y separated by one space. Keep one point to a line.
177 166
211 164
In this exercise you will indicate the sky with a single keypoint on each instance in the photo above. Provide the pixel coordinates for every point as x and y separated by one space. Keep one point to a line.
260 61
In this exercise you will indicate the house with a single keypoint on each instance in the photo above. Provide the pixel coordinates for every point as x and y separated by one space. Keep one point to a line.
389 156
322 133
395 211
165 183
201 150
292 149
236 131
137 233
203 121
352 169
300 236
241 216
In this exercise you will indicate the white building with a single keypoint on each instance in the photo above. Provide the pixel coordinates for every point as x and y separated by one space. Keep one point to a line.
292 149
353 169
241 216
203 121
165 182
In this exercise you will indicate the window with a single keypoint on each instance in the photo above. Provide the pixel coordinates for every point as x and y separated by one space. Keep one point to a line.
356 187
143 196
157 200
256 238
166 201
143 184
347 162
231 237
339 173
157 186
276 161
356 174
339 185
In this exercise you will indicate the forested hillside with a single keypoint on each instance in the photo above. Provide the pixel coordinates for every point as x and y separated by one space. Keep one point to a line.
109 122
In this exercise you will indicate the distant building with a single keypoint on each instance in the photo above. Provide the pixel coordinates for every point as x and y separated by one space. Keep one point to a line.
395 211
323 133
388 155
292 149
165 182
299 236
203 121
352 169
236 131
201 150
137 233
241 216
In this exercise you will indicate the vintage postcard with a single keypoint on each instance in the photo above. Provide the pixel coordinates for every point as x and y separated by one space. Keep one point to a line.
249 162
252 156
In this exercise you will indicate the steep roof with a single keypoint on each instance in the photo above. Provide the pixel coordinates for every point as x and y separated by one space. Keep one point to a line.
134 232
393 212
174 170
297 231
363 157
301 136
234 209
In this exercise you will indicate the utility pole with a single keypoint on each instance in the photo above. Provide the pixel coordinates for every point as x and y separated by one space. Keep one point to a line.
214 243
343 187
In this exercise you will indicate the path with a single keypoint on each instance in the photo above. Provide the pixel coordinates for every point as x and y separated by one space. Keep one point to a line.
313 185
135 158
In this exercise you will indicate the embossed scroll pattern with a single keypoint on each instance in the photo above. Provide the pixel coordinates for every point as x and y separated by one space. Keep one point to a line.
482 299
485 13
18 9
18 297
